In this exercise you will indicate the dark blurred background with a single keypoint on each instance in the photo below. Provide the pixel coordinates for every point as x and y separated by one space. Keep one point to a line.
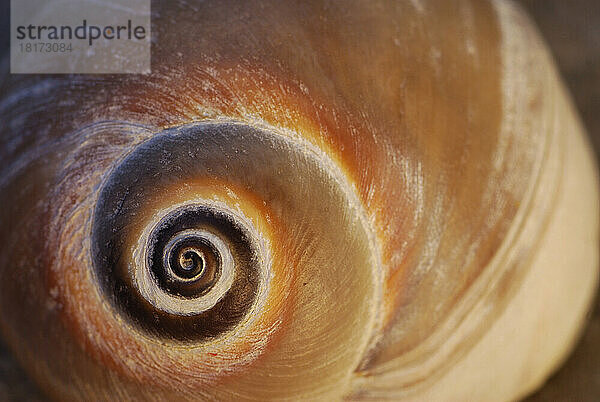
572 30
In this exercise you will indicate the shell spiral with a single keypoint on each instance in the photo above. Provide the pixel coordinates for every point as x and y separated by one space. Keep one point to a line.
326 200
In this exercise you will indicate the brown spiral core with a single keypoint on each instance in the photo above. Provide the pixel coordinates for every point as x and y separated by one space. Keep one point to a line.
154 288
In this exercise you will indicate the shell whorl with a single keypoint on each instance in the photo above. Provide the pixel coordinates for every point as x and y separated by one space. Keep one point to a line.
192 184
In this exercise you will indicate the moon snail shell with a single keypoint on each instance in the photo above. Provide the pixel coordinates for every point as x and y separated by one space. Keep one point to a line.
322 200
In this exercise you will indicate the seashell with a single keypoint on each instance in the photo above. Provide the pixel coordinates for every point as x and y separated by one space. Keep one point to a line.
314 200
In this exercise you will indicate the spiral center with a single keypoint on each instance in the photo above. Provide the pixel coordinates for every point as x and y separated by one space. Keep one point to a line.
191 263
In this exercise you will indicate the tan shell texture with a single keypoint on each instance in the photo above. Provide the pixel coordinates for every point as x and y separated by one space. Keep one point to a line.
312 200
